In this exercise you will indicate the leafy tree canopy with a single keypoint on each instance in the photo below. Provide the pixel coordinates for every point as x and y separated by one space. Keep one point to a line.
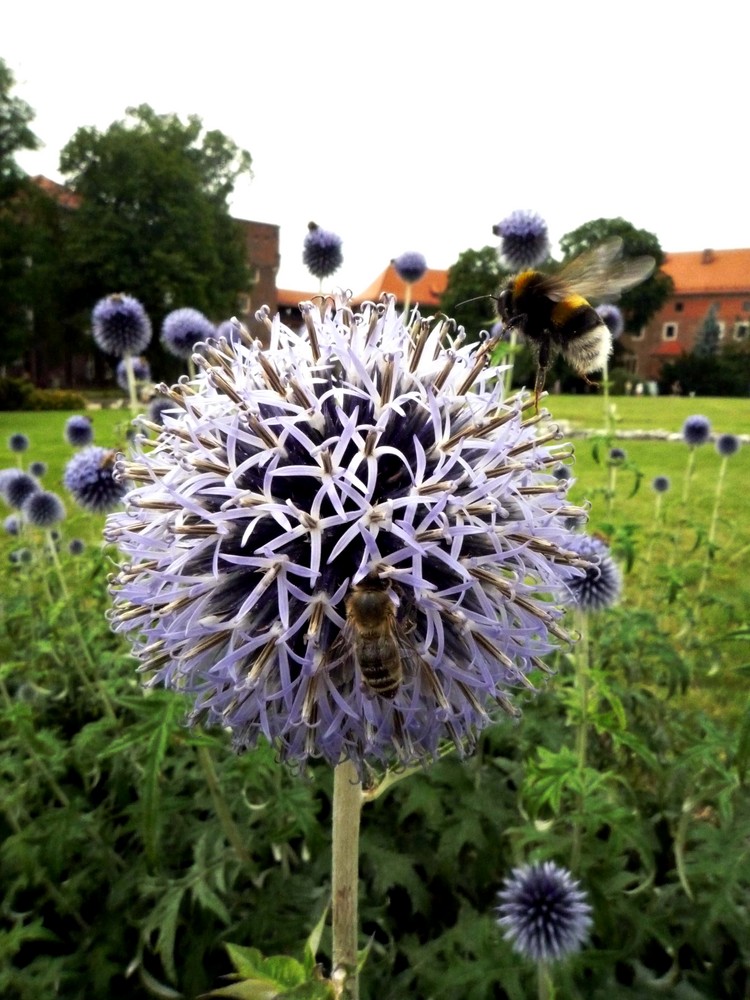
154 219
15 134
478 275
640 303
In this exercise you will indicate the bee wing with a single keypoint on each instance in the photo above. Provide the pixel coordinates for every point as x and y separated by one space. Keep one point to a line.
600 273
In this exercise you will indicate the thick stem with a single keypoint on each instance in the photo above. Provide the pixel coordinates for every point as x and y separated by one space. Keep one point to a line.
582 687
230 828
688 474
546 989
347 807
132 392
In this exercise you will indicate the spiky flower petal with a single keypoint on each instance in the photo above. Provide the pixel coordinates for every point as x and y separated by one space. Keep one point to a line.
321 251
410 266
524 239
89 477
601 584
79 431
696 430
120 325
544 912
182 329
354 464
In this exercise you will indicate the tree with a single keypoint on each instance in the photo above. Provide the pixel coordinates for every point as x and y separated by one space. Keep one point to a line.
643 301
153 219
15 134
478 275
707 338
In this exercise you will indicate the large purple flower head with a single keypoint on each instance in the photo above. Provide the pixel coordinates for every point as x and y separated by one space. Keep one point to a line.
347 543
410 266
120 325
182 329
524 239
141 372
79 430
321 251
89 478
43 509
544 912
696 430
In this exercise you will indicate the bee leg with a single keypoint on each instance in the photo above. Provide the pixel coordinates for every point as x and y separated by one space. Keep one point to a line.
589 381
541 372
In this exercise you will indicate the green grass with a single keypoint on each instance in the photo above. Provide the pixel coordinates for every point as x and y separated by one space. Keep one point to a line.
651 413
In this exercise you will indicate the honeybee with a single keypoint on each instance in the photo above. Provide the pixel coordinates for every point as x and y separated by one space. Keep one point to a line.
553 311
372 630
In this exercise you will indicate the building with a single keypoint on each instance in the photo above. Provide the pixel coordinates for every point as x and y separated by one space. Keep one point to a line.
702 279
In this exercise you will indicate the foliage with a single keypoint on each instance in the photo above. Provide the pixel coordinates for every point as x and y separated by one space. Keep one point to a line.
160 184
726 373
477 274
15 133
707 339
643 301
14 393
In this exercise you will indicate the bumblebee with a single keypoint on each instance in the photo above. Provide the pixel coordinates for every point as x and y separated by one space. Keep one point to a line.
373 633
554 313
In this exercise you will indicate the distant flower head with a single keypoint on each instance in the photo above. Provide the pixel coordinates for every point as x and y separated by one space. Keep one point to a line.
544 912
562 472
612 318
141 372
352 466
38 469
696 430
321 252
182 329
18 443
18 488
79 431
5 477
601 584
89 477
12 524
158 407
42 509
524 239
76 546
727 445
617 456
410 266
660 484
20 556
120 325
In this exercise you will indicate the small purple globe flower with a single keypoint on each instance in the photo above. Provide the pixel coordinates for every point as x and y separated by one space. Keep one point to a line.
38 469
617 455
183 329
89 478
612 318
76 546
79 431
12 524
43 509
696 430
18 488
141 372
120 325
727 445
352 462
660 484
601 584
321 251
18 443
410 266
524 239
544 912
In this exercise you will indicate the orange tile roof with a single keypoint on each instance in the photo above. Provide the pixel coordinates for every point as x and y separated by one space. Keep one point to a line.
425 292
699 271
61 194
289 298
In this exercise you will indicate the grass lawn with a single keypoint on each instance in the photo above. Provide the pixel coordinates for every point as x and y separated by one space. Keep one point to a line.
651 413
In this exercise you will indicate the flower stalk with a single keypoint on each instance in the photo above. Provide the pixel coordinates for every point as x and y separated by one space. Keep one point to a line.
347 809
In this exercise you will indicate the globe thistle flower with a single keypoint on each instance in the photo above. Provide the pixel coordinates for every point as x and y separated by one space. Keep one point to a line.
351 459
79 431
562 472
120 325
727 445
524 239
89 478
660 484
18 488
38 469
410 266
18 443
600 585
544 912
141 372
611 316
321 251
76 546
182 329
158 406
617 455
12 525
696 430
43 509
20 556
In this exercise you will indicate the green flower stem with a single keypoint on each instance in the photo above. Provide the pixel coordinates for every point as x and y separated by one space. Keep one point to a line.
407 302
611 487
545 984
347 808
688 474
512 344
713 525
228 825
581 683
91 686
132 393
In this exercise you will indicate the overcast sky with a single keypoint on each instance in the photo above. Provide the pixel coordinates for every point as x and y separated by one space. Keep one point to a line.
407 125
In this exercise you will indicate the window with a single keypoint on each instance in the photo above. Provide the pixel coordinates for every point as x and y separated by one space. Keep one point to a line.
669 331
678 307
741 331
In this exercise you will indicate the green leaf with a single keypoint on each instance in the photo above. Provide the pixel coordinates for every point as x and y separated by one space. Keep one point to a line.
742 756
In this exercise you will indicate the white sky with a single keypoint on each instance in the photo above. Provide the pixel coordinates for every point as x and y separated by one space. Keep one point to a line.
412 125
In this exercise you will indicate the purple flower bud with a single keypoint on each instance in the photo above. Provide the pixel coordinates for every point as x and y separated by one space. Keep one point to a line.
18 488
183 329
120 325
89 477
660 484
524 239
601 584
18 443
321 252
410 266
43 509
79 431
696 430
727 445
